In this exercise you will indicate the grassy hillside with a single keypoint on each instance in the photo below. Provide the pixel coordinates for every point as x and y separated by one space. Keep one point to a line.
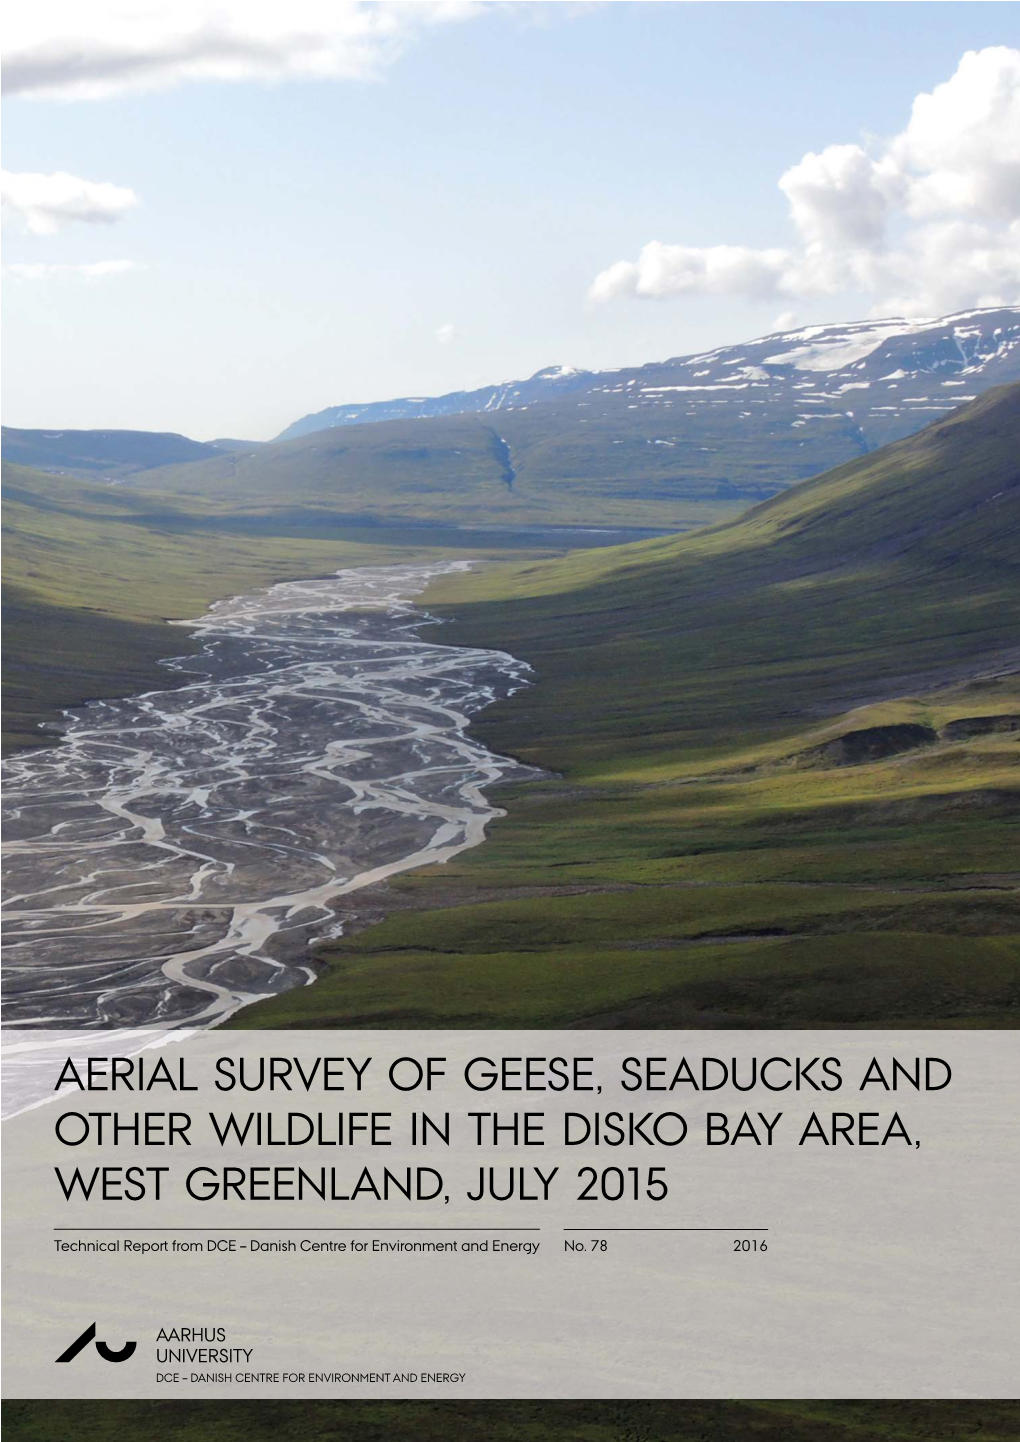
101 454
93 572
312 1420
787 753
531 467
670 446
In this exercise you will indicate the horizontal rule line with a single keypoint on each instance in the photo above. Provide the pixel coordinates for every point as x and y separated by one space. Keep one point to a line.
665 1229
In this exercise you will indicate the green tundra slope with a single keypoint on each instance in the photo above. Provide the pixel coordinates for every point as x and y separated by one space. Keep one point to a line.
670 445
517 468
787 753
96 455
92 574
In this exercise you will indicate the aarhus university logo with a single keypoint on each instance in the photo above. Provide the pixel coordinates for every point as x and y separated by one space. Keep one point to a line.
108 1354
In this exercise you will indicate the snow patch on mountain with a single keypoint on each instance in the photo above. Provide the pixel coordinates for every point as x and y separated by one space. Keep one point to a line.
891 362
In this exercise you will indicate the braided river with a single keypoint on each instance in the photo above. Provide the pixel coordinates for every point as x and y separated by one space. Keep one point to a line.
173 857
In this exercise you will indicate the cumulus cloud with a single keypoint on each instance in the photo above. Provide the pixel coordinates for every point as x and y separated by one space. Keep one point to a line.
662 270
962 145
927 222
44 203
446 334
61 49
94 270
841 197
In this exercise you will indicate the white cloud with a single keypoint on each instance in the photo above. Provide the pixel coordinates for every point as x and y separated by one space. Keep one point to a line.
841 197
446 334
43 203
949 265
785 320
94 270
962 145
62 49
662 270
930 221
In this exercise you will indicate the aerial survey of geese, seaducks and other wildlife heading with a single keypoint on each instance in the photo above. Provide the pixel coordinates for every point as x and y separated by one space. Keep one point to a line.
671 685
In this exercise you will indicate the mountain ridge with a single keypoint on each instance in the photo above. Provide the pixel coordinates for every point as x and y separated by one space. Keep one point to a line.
668 446
671 446
109 454
954 345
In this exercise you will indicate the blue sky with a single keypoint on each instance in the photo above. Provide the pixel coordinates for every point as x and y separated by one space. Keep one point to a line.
311 241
